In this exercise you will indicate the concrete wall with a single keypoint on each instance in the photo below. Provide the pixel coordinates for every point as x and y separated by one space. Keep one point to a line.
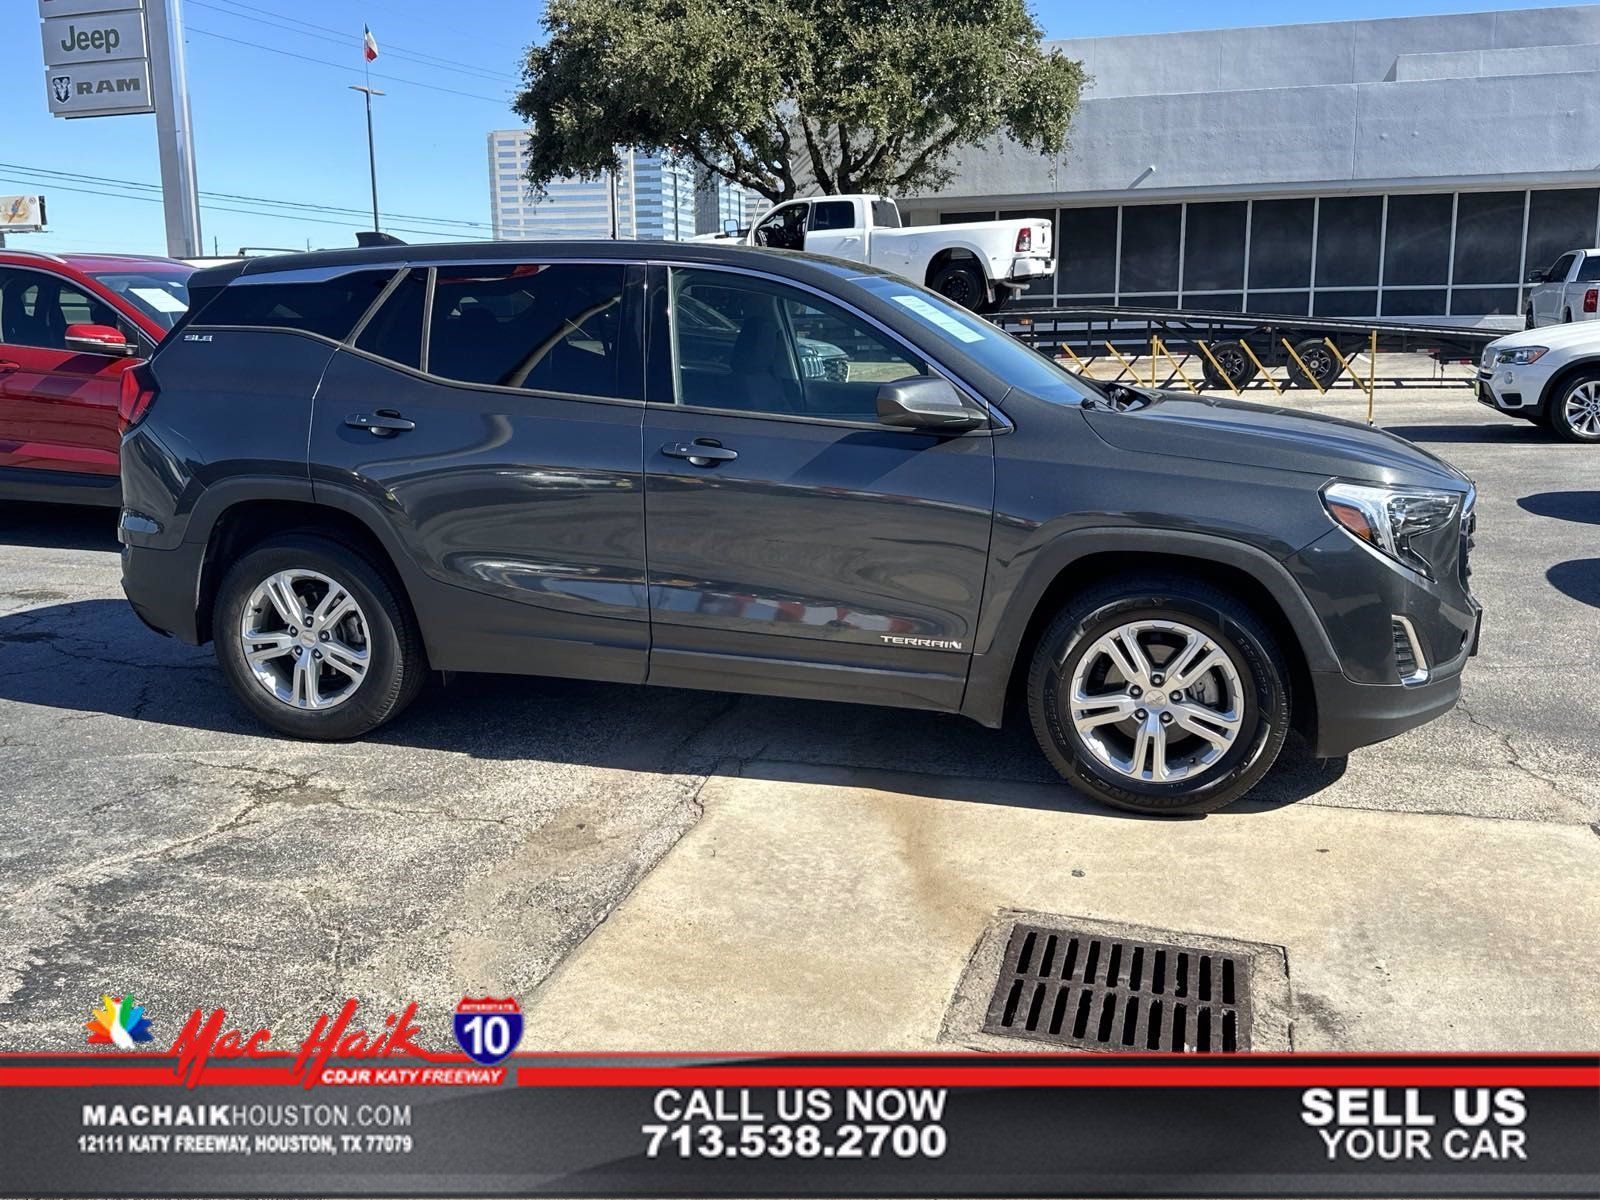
1424 102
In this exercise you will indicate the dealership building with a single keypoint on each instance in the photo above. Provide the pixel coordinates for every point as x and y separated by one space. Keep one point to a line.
1414 167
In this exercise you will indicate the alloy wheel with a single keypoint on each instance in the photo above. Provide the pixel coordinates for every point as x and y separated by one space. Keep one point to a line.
1156 701
305 639
1582 409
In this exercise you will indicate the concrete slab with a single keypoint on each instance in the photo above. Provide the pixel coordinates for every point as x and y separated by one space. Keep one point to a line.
820 908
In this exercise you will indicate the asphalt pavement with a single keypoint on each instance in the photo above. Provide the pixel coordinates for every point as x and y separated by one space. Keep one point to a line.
158 842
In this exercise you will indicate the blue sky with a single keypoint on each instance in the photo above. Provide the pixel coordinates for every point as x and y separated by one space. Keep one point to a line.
269 124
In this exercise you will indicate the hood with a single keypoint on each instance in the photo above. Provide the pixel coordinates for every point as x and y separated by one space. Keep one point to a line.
1556 337
1183 425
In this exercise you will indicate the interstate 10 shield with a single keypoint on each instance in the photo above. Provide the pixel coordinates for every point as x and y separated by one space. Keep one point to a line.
488 1029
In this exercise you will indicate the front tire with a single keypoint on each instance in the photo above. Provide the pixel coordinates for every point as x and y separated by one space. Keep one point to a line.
1574 412
1160 695
315 639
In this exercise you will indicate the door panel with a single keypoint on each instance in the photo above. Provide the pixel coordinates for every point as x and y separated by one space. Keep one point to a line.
823 559
524 508
58 407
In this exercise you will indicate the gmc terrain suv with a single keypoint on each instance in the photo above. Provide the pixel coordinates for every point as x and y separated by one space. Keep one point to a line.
712 467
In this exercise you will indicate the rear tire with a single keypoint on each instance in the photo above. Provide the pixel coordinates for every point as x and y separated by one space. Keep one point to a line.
1573 413
1076 693
336 677
1324 366
962 283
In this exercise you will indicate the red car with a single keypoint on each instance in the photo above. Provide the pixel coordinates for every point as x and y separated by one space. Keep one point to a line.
71 326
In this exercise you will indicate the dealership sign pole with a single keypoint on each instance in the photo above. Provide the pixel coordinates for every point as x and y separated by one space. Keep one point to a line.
106 58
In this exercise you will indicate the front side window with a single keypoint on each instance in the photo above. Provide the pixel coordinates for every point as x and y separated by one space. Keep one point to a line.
329 308
35 310
554 327
749 345
783 228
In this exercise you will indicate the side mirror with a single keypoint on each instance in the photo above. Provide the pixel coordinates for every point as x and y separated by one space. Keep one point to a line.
926 402
1538 276
730 228
99 339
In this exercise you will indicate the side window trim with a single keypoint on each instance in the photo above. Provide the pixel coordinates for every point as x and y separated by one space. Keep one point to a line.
427 319
998 421
372 309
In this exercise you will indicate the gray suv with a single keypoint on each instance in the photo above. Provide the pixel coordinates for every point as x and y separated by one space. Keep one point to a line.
710 467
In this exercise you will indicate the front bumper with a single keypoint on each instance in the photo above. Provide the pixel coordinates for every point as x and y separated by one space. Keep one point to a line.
1351 715
1504 391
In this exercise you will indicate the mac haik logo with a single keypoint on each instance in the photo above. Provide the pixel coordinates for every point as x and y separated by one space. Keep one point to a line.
61 85
205 1037
118 1022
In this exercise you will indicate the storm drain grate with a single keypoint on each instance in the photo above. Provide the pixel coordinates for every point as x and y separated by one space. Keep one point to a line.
1095 992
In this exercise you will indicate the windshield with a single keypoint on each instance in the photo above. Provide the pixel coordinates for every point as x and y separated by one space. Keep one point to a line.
988 344
162 294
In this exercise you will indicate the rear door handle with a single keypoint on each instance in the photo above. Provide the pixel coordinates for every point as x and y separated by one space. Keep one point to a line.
700 453
383 423
7 366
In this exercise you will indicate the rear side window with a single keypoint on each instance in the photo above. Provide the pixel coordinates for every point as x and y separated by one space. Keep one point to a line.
833 214
1590 271
554 327
885 215
395 331
330 307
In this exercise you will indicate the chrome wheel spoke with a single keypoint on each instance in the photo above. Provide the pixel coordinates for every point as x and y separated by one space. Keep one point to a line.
1125 651
1216 727
264 647
280 592
307 689
1209 658
1088 712
347 659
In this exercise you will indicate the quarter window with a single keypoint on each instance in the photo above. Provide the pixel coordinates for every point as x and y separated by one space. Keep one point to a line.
833 214
751 346
554 327
329 307
36 309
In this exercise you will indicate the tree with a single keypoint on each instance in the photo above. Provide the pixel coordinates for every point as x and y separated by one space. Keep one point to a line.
785 96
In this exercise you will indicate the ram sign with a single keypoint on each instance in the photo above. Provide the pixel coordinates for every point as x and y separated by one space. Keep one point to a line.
96 57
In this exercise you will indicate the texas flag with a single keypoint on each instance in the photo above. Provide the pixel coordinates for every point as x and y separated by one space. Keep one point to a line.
369 44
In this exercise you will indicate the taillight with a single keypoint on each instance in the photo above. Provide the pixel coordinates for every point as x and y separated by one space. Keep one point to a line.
1589 299
138 394
1024 239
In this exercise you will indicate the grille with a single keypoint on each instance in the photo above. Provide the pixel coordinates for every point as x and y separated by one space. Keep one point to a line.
1405 660
1094 992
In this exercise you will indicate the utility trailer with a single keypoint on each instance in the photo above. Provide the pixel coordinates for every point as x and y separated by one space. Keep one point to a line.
1232 348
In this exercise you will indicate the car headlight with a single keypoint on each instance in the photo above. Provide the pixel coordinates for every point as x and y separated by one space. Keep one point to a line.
1393 521
1520 357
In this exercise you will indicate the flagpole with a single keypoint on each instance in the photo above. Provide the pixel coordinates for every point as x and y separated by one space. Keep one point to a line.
368 49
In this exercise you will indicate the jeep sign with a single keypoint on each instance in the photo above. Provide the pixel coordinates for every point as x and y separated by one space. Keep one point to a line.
99 37
100 89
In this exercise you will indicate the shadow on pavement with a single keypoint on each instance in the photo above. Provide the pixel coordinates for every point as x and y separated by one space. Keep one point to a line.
63 526
1509 430
95 656
1578 578
1564 506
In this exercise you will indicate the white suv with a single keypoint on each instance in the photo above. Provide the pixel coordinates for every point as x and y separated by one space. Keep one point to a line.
1549 376
1566 291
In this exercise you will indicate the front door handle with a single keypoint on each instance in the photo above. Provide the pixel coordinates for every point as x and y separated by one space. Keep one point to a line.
702 452
383 423
7 366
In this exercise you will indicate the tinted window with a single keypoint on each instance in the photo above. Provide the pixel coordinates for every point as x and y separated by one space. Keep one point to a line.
1417 247
35 310
754 346
1590 271
1280 245
885 215
1561 268
1413 302
1346 304
1086 250
1283 304
1558 221
1483 302
1150 247
1489 238
1348 232
544 326
328 307
1213 248
395 331
833 214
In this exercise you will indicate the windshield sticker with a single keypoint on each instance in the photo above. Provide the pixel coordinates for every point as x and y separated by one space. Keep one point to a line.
942 319
158 299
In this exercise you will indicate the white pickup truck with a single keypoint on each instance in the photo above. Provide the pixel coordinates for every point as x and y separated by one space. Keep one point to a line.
1566 291
978 264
